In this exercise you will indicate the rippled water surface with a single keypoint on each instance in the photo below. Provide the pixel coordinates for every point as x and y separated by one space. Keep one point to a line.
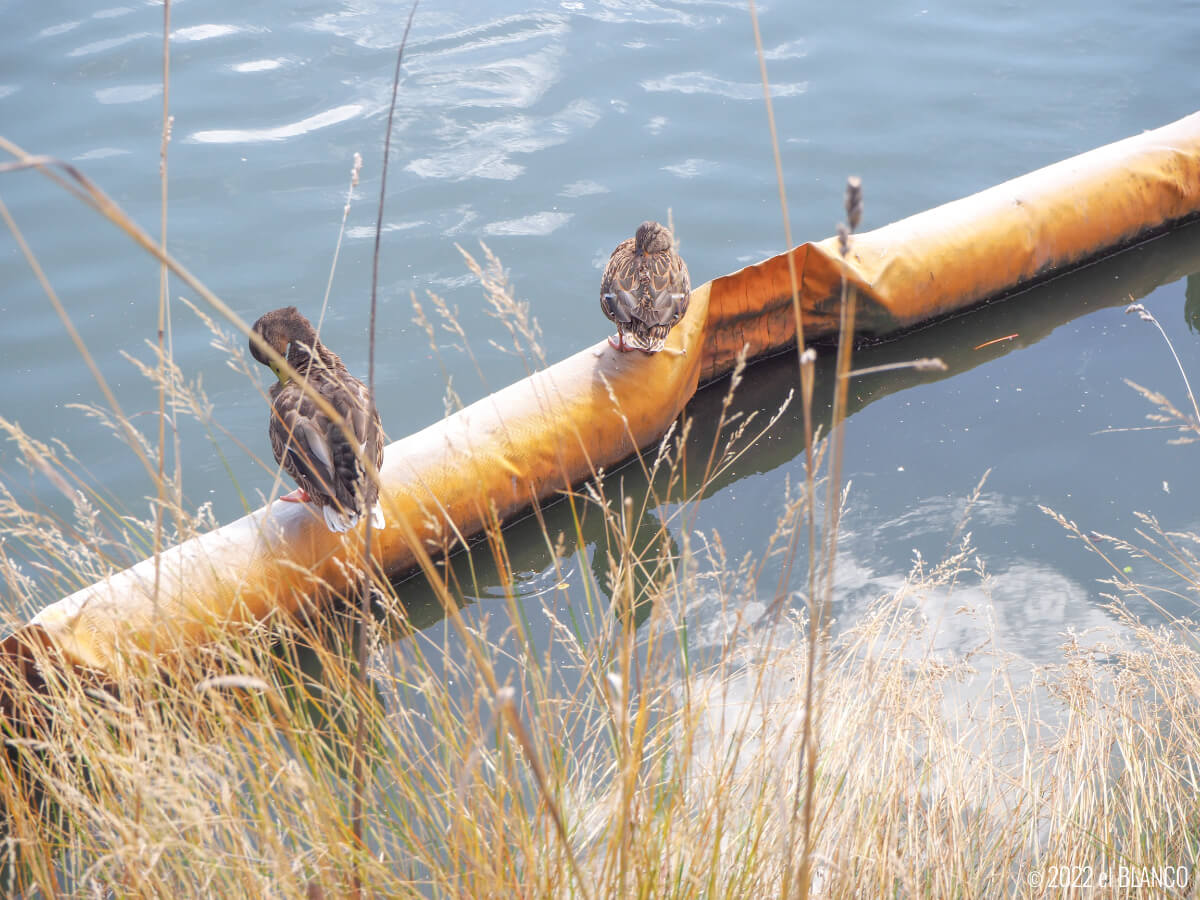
549 131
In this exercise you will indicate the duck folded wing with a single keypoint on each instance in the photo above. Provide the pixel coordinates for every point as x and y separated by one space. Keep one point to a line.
303 449
668 306
362 425
349 475
620 306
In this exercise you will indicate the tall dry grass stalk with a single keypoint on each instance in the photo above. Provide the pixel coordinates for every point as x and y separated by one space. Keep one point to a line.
368 579
164 310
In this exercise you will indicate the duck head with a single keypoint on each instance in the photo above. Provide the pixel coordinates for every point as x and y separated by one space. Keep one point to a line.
652 238
279 328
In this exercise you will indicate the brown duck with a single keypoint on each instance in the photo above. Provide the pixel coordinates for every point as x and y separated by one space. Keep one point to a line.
645 289
310 446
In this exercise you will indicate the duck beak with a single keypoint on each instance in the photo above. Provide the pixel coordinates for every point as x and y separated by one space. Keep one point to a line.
279 374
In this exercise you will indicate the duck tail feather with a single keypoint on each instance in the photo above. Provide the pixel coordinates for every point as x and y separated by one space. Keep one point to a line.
338 521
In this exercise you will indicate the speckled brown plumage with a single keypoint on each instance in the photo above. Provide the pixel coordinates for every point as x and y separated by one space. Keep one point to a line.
311 446
645 289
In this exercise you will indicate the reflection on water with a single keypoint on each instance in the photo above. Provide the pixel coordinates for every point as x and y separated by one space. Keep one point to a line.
279 132
1191 305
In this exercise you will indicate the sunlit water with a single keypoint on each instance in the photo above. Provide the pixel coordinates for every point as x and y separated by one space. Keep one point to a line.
549 133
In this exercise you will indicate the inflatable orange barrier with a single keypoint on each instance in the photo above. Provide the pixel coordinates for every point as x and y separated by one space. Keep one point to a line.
556 428
985 246
490 460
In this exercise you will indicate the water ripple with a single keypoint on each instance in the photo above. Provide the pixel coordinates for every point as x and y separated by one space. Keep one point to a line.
358 232
788 50
110 43
128 93
257 65
690 168
61 28
280 132
638 12
506 62
518 80
701 83
496 33
448 223
582 189
101 153
203 32
482 151
537 224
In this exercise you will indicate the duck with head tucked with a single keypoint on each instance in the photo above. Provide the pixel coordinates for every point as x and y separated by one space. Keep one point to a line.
645 289
312 447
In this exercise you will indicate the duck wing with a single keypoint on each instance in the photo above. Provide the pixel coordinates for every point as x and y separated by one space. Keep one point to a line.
668 289
300 438
619 285
349 397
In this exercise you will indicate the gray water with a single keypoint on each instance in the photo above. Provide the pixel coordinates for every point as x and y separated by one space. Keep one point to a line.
549 132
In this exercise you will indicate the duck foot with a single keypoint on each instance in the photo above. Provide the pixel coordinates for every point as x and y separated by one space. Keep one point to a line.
299 495
617 342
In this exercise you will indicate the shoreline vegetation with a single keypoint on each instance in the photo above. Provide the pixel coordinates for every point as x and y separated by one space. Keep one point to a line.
646 759
632 752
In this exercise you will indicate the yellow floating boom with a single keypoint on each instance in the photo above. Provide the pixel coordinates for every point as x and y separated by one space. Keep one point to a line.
556 428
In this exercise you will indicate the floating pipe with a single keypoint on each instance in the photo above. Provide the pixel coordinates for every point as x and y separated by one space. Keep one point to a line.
562 425
982 247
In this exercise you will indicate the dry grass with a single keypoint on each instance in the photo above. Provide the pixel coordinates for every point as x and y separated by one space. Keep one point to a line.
613 764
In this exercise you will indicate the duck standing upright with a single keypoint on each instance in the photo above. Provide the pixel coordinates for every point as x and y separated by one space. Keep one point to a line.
311 446
645 289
